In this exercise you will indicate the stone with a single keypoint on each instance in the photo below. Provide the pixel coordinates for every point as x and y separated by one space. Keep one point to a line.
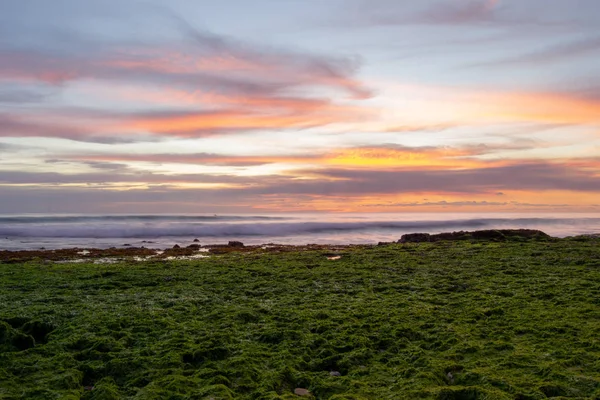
485 235
335 373
176 246
235 243
415 238
196 240
193 246
301 392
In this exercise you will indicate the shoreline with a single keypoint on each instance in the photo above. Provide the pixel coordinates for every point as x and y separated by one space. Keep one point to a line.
195 250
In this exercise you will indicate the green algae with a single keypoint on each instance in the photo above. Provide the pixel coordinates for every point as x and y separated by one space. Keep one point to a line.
445 320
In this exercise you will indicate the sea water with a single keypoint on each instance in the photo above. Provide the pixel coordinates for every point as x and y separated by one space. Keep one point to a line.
20 232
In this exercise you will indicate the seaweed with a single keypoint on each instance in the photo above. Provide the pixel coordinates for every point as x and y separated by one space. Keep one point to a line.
464 319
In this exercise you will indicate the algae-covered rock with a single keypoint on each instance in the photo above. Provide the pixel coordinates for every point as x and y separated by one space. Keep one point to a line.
415 238
486 235
105 389
22 341
39 330
13 339
5 332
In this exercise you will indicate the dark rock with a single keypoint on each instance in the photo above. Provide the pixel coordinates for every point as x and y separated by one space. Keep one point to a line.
415 238
176 246
488 234
126 245
383 243
235 243
38 330
193 246
196 240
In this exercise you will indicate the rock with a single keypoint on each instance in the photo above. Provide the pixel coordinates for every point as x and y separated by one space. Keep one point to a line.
235 243
487 234
450 377
415 238
126 245
194 246
196 240
335 373
176 246
301 392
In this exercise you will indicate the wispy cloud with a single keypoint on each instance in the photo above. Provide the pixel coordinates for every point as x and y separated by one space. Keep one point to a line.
244 86
481 13
559 52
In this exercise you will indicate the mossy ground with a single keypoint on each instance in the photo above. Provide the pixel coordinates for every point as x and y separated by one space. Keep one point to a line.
446 320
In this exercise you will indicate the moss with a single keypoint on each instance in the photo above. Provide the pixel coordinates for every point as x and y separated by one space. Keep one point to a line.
433 320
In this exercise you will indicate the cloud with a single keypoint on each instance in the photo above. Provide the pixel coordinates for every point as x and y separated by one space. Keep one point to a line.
22 96
492 13
554 53
334 188
460 12
391 155
233 86
523 176
92 129
222 84
196 159
527 177
118 177
199 60
465 204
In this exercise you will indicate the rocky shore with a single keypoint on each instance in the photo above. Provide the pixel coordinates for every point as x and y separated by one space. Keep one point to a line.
196 249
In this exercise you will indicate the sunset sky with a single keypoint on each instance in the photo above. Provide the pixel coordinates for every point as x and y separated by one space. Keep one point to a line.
239 106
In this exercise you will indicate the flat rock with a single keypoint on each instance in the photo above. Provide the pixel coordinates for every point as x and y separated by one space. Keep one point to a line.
301 392
415 238
489 234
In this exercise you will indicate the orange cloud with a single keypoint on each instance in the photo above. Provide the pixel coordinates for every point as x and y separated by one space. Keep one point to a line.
539 107
402 157
190 125
408 105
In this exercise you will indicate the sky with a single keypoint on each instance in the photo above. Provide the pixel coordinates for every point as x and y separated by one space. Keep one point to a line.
262 106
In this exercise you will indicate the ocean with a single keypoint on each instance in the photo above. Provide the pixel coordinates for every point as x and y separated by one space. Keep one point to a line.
27 232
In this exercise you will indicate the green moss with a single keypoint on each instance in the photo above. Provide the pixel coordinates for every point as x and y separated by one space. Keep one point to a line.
443 320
